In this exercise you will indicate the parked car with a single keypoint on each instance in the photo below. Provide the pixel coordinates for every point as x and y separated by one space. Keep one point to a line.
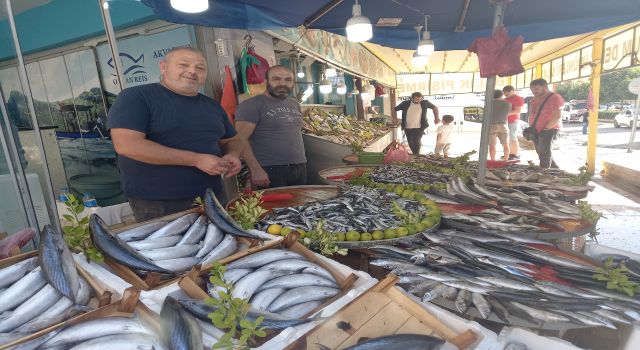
625 118
574 110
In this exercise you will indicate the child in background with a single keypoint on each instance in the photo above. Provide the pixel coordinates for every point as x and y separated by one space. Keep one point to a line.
445 136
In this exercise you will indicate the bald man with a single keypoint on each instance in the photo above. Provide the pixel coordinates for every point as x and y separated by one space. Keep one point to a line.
271 126
172 142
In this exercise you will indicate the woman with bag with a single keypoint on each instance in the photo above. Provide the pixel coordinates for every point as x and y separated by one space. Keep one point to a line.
544 121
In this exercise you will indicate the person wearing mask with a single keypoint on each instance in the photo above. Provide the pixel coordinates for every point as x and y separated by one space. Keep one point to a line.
172 142
512 120
271 126
414 119
545 107
499 131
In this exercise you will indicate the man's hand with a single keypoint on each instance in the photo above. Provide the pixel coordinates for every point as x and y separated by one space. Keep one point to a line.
233 163
211 164
436 121
259 177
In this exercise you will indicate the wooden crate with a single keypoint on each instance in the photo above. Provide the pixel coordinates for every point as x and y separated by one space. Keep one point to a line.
101 300
154 280
194 285
383 310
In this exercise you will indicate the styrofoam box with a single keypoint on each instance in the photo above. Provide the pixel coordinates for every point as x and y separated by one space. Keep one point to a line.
100 273
594 249
486 338
531 340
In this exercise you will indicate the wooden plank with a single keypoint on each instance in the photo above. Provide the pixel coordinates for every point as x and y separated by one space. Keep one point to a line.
385 322
414 326
356 313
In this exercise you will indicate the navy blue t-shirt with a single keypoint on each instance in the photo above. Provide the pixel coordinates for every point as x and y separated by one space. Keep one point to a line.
191 123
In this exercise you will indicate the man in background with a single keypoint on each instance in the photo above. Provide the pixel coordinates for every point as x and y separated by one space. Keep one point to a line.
512 120
499 131
414 119
547 104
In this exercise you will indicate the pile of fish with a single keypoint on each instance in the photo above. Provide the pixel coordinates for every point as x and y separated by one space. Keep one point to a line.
356 208
518 281
42 291
279 281
396 341
393 173
175 246
339 128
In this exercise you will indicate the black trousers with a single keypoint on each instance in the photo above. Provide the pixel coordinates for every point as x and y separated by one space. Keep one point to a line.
286 175
144 209
414 137
544 144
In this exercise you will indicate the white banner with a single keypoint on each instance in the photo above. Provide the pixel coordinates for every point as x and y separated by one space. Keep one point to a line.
546 71
406 84
140 57
617 51
556 70
451 83
571 66
587 56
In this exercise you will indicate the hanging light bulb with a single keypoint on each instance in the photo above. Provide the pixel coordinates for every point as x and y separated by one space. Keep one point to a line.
300 71
325 85
425 46
190 6
358 27
354 92
419 61
341 89
330 72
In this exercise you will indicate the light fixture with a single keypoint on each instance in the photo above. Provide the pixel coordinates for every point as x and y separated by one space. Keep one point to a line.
419 61
358 27
330 72
300 71
354 92
365 96
105 5
190 6
341 89
425 46
325 85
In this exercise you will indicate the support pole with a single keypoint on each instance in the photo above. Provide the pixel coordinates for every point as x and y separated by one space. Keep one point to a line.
111 38
488 101
634 126
596 59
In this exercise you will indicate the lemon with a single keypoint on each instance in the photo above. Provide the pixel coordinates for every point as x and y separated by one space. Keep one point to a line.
412 229
399 190
352 236
420 227
429 222
407 194
390 233
285 231
390 187
274 229
426 187
366 236
402 231
377 235
340 236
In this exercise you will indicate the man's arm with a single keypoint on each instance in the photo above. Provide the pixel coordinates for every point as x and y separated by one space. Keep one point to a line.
232 149
258 176
555 118
436 115
134 144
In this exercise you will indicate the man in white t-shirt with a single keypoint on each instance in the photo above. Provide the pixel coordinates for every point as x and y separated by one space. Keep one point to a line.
444 136
414 119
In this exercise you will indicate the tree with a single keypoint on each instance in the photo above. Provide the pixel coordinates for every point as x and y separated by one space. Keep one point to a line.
573 90
614 85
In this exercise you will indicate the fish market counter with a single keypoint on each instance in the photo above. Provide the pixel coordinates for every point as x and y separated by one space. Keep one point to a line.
322 154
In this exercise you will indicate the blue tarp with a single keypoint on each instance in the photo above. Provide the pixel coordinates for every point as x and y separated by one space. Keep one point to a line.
534 20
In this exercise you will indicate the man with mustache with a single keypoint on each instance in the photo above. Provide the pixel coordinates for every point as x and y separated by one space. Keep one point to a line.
271 124
172 142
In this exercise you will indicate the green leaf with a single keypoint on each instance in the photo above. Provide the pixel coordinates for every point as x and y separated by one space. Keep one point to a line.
246 324
260 333
243 339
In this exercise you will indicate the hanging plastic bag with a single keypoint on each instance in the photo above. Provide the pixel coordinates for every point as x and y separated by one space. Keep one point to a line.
396 153
256 71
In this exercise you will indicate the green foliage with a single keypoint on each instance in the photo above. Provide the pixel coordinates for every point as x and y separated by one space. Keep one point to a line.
406 217
247 211
362 180
614 85
230 314
609 115
588 213
198 202
573 90
582 178
76 233
356 147
616 278
323 240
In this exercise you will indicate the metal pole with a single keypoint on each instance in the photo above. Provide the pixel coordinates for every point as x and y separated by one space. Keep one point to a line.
111 38
488 101
594 82
634 125
53 210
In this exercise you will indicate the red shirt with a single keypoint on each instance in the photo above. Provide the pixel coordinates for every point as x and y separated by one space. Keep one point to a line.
498 54
516 101
555 102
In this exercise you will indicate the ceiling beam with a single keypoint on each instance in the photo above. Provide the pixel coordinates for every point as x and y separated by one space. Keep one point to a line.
463 15
321 12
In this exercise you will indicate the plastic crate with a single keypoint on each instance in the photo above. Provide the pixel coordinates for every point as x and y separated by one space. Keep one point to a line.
370 157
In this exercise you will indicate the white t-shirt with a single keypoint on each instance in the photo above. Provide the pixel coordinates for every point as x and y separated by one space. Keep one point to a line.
414 112
445 131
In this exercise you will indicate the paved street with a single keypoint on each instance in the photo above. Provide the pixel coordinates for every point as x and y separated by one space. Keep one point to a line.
621 226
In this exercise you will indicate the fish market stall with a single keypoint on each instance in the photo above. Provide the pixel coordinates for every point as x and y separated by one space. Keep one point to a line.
328 137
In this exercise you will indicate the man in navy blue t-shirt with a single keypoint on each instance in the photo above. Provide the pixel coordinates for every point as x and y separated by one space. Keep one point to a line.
172 142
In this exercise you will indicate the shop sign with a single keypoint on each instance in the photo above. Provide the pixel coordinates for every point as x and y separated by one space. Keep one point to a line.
617 51
587 56
480 84
140 57
406 84
556 70
571 66
546 71
451 83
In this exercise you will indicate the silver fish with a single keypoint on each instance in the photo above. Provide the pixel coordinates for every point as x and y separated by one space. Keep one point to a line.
298 280
298 265
228 246
433 293
175 227
264 298
212 238
178 264
114 325
181 330
10 274
22 290
249 284
262 258
450 293
122 341
58 266
613 316
542 315
300 310
147 244
586 319
463 301
481 304
31 308
604 320
421 287
180 251
558 260
195 232
301 295
141 232
506 283
469 286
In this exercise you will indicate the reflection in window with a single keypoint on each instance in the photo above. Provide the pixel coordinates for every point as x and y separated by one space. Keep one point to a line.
14 99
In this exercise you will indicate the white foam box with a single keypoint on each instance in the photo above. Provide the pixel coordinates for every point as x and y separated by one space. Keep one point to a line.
531 340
